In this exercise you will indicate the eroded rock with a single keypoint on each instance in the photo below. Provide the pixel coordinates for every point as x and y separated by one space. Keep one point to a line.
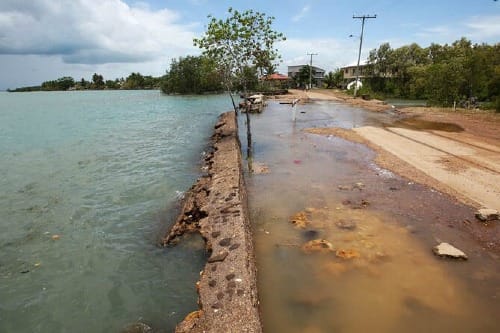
347 253
220 256
448 251
300 220
317 245
486 214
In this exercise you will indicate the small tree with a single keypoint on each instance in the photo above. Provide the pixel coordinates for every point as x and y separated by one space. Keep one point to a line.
97 81
301 79
243 40
334 79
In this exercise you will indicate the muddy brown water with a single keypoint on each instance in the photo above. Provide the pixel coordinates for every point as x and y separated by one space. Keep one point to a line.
417 123
386 224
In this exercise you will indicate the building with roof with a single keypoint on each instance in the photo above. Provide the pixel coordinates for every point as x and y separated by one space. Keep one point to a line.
277 80
318 74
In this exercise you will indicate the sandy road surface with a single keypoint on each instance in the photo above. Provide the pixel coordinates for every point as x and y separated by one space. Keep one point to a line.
466 163
466 168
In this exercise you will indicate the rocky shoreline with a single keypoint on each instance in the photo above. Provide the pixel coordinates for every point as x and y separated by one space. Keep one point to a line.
216 207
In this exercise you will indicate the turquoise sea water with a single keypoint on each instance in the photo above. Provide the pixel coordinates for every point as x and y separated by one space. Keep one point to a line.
103 171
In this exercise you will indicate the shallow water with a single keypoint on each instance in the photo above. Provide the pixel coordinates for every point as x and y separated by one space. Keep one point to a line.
88 181
406 102
393 282
416 123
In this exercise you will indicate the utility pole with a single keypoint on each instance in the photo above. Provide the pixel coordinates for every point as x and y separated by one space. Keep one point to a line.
363 18
310 68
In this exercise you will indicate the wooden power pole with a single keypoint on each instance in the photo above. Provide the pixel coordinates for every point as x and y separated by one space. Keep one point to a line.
363 18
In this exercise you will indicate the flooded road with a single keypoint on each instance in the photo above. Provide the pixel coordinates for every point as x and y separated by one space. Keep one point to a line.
373 269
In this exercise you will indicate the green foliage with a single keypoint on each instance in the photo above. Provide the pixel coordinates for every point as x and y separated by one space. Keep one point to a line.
301 79
97 81
63 83
25 89
334 79
191 75
113 84
133 81
442 74
136 81
241 41
247 79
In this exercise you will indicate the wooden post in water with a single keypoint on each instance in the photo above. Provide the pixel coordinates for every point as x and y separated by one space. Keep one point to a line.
234 105
249 132
294 109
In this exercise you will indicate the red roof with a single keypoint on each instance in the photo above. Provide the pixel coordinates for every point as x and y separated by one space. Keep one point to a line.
276 76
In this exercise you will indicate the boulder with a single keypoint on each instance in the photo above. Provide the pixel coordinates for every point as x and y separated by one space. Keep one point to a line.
449 251
317 245
300 220
347 253
487 214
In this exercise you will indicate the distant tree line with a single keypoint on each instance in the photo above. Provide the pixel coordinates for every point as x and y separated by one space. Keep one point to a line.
133 81
200 74
442 74
192 75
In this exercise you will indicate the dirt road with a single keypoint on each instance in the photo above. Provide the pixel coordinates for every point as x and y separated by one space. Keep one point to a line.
468 167
463 159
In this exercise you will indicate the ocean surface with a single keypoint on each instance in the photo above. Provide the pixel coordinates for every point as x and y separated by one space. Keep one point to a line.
88 182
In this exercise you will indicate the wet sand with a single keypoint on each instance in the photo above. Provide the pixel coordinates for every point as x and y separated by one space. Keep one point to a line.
377 271
454 152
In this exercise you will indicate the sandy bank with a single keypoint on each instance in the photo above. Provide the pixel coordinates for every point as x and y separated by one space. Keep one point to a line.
216 207
463 163
339 96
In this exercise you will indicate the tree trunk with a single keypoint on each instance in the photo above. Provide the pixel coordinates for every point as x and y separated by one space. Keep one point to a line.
232 100
249 133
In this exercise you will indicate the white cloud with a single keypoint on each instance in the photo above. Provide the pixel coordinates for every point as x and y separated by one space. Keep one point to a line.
435 32
301 14
479 29
484 27
92 32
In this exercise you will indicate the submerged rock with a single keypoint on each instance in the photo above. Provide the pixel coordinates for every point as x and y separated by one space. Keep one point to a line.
359 186
487 214
137 328
449 251
300 220
260 168
346 225
347 253
317 245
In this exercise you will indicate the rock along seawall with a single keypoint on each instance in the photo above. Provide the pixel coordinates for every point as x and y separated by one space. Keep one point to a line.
216 207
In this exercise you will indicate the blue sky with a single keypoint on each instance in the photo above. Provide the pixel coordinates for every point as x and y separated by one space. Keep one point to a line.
45 39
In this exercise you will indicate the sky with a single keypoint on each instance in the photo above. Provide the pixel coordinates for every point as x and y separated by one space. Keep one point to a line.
43 40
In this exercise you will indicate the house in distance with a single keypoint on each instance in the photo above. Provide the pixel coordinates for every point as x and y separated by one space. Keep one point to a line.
318 74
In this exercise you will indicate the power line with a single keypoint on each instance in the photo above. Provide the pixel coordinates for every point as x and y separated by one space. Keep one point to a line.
363 18
310 68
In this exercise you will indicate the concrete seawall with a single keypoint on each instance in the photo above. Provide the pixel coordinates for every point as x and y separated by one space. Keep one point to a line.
216 207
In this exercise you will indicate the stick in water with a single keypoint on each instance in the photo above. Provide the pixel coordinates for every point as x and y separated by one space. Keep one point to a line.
294 109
